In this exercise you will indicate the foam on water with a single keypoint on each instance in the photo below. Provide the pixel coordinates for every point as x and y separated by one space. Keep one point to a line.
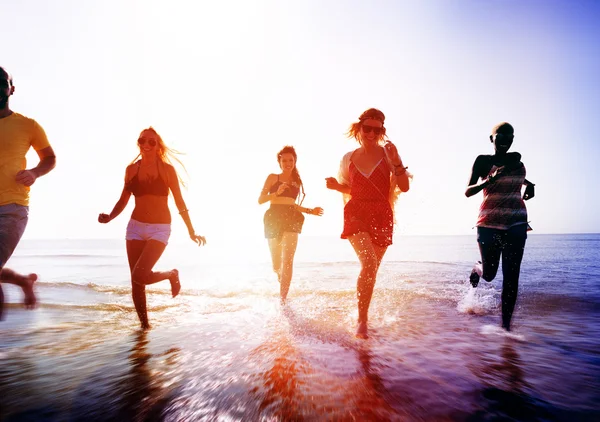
495 330
226 350
477 301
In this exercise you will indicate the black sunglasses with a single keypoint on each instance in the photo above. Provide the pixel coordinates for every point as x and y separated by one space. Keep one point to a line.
368 129
151 142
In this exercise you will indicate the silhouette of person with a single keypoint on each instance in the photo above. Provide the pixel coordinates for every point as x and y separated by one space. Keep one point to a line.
502 223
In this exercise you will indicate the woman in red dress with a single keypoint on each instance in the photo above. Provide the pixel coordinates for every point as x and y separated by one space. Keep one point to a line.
370 177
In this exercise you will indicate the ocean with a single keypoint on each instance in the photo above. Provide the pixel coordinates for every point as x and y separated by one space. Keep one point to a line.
226 350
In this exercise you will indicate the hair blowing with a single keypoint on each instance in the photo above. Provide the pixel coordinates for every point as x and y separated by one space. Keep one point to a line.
372 113
165 154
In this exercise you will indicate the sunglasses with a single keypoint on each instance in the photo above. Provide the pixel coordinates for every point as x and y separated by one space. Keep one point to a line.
151 142
374 129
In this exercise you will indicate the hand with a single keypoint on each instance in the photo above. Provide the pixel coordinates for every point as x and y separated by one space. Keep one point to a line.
317 211
332 183
103 218
495 175
529 192
392 153
26 177
200 240
281 189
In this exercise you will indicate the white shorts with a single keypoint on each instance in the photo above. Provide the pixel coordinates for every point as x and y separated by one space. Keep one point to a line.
146 231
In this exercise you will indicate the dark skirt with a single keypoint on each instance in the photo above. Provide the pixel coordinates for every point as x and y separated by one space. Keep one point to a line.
373 217
279 219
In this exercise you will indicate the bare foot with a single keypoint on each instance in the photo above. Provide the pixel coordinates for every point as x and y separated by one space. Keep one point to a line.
30 300
146 326
362 330
175 285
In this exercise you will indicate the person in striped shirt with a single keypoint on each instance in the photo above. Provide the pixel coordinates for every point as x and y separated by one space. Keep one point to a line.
502 223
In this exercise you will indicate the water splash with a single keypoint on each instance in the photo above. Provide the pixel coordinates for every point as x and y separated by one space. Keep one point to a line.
489 329
477 301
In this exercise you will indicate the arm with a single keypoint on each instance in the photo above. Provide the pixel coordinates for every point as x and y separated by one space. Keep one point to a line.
333 184
118 208
180 204
121 203
529 190
476 173
46 164
312 211
343 175
400 178
265 196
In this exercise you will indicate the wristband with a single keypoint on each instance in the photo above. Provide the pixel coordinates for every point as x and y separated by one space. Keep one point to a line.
401 167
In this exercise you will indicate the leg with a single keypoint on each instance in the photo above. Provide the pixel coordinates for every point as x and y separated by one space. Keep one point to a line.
142 272
511 268
370 257
289 242
275 248
13 221
138 292
490 249
24 281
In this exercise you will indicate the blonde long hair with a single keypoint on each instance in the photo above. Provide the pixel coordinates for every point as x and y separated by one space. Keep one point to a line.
165 154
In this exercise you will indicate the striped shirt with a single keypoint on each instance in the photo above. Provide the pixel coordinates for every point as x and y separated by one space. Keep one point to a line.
503 206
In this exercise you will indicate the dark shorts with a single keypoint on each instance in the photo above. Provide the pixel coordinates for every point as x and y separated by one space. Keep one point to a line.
13 220
279 219
515 236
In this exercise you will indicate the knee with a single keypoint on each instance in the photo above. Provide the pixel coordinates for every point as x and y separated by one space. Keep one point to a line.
138 276
369 264
489 273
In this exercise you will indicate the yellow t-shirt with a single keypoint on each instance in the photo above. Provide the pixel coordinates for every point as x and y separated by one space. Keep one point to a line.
17 134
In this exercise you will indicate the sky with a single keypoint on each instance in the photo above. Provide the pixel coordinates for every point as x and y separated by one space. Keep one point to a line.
229 83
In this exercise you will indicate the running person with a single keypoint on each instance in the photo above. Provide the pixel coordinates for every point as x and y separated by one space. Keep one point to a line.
371 176
502 223
283 220
17 135
150 180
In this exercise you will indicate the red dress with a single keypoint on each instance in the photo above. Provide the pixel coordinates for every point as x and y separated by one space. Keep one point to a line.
369 209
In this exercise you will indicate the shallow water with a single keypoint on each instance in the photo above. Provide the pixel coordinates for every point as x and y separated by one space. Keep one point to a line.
226 350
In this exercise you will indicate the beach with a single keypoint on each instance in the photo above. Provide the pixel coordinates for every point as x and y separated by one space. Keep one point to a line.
226 350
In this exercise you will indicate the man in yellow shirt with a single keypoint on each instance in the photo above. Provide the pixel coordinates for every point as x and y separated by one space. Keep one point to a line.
17 134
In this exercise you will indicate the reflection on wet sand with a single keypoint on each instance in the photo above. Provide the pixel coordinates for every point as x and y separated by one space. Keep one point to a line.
506 393
135 391
143 398
367 392
280 392
298 383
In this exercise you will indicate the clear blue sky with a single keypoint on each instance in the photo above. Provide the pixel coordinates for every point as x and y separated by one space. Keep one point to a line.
231 82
